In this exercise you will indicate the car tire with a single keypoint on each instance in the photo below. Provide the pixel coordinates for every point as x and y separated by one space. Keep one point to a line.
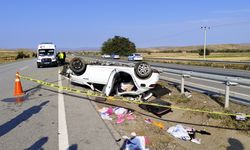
77 65
142 70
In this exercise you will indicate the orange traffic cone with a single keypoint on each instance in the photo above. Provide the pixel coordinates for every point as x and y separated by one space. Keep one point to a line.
18 90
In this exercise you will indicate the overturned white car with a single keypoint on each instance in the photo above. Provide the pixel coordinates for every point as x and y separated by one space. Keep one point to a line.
113 79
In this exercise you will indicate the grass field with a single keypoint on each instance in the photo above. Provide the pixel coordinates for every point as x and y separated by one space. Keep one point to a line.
243 56
215 47
10 55
7 56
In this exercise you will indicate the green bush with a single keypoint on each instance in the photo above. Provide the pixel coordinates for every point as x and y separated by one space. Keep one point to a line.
21 54
118 45
201 52
34 54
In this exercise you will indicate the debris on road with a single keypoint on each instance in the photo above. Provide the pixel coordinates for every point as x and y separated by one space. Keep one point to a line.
135 142
156 110
240 116
155 123
121 114
122 117
106 116
105 113
186 133
159 91
120 110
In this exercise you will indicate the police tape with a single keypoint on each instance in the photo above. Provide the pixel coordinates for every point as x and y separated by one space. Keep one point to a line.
123 99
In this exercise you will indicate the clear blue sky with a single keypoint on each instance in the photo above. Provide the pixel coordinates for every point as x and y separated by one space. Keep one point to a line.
148 23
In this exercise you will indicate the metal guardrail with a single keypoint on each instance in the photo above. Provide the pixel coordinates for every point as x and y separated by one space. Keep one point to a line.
228 81
239 80
205 61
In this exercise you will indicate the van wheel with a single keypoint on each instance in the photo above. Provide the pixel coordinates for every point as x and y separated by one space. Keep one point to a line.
143 70
77 65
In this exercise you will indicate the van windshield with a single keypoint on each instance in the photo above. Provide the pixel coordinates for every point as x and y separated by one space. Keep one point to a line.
43 52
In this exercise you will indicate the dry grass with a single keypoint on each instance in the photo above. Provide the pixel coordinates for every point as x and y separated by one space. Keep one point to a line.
160 139
7 56
244 56
10 55
190 48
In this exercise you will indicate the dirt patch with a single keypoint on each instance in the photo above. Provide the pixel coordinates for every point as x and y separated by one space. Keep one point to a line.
225 131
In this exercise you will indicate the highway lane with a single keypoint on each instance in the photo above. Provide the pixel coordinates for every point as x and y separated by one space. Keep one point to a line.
36 122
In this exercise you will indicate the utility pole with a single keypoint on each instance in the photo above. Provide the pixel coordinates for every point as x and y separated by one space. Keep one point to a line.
205 28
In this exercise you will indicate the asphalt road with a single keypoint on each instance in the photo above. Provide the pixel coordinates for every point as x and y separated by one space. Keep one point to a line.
48 118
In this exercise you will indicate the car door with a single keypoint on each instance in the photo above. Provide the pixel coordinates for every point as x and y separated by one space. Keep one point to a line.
110 83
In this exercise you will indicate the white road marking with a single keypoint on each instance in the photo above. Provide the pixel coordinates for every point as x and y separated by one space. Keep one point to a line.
63 141
23 68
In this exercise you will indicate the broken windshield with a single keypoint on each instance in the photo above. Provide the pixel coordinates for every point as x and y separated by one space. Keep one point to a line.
43 52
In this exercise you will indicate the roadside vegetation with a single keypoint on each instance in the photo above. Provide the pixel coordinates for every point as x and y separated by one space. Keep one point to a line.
13 55
229 56
207 64
118 45
196 53
213 123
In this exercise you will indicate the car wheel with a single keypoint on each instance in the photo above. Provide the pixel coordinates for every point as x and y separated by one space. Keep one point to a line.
143 70
77 65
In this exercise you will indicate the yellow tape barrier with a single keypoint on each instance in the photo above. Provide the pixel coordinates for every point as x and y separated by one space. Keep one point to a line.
112 98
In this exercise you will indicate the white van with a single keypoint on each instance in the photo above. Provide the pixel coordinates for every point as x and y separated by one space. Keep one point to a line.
46 55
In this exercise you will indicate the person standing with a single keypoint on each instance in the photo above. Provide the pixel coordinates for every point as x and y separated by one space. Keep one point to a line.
61 58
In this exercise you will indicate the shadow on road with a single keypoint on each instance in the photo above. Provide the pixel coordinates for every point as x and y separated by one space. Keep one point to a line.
25 115
25 97
234 144
38 144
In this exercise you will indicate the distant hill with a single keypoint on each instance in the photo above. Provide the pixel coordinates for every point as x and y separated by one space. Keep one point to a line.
215 47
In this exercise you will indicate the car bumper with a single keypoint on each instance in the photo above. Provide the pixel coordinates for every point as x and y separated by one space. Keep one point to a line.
138 58
53 63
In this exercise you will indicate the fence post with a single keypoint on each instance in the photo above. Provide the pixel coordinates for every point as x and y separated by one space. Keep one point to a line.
227 91
227 96
183 82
